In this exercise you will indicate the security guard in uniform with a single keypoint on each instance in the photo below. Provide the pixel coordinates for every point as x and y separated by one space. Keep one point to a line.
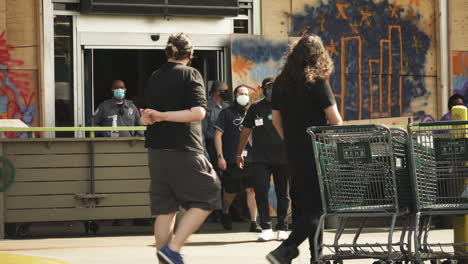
126 112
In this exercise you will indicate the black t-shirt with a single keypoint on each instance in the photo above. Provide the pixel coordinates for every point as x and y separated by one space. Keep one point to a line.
266 144
230 123
175 87
300 111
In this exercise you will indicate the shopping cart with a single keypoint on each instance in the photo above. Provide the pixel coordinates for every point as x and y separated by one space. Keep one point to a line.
363 172
439 162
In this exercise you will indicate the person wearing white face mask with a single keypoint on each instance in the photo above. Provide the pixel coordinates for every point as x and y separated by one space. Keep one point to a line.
117 111
228 128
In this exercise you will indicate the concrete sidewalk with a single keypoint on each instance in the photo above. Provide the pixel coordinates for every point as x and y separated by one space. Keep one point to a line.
211 245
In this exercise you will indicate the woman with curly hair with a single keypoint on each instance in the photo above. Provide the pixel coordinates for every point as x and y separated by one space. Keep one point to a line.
302 97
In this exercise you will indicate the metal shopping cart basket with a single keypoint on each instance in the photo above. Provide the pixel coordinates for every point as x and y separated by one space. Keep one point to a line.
363 172
439 163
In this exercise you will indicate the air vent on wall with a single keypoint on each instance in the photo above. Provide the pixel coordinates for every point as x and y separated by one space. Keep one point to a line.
219 8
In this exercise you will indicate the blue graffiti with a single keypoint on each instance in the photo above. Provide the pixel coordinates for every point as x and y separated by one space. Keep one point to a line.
259 51
370 20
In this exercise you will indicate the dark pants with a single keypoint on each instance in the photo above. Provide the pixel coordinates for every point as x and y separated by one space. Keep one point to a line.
211 149
261 173
305 195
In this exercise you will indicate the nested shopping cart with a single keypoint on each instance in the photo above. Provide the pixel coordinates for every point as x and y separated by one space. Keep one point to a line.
439 163
363 172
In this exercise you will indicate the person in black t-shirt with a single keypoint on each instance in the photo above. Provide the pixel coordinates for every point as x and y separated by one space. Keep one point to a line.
181 175
268 156
228 128
302 97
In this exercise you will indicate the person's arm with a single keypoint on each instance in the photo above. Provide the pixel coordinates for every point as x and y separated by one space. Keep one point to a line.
98 116
219 149
333 116
277 121
137 122
151 116
244 137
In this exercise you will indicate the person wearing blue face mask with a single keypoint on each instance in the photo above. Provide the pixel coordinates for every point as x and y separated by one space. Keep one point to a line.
118 111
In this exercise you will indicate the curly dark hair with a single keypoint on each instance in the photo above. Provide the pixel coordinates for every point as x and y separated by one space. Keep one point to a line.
452 100
306 60
179 47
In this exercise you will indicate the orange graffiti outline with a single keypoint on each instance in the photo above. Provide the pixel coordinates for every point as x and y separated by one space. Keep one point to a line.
343 72
342 11
371 86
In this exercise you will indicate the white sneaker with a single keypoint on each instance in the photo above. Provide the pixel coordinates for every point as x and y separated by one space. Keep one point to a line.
282 235
266 235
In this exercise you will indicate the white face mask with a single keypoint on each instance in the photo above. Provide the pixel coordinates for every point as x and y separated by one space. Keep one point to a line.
243 99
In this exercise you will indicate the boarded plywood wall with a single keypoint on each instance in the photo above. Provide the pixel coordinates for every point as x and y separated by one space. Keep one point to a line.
19 55
50 174
384 51
254 58
458 16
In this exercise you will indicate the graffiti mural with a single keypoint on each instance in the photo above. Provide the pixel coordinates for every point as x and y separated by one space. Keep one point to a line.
254 58
382 54
460 73
16 99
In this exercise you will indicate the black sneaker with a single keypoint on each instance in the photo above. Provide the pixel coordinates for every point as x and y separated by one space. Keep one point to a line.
226 221
254 227
282 255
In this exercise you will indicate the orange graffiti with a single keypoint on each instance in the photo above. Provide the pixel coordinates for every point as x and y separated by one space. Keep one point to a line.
241 66
411 15
415 2
332 48
354 27
395 11
343 73
366 15
322 23
411 2
371 86
416 45
380 61
460 68
382 43
342 11
390 57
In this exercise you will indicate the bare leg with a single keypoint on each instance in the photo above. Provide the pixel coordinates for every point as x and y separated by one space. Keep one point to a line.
191 221
228 198
164 229
251 203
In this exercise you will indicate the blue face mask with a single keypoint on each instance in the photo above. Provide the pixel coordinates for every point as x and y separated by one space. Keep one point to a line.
119 93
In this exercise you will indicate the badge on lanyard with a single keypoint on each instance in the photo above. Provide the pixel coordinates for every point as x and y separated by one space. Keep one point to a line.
259 121
244 153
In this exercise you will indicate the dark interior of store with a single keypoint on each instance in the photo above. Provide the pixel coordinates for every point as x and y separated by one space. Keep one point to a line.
135 66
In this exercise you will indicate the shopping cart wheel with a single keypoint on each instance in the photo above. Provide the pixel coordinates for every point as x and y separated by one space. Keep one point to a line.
338 262
447 261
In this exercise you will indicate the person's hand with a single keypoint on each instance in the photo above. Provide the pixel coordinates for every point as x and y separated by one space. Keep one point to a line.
150 116
240 162
222 164
144 118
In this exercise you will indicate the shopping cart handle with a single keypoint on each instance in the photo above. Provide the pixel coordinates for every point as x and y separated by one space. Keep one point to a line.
316 129
439 123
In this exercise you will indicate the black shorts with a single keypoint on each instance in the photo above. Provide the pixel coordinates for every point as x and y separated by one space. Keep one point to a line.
235 179
182 179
